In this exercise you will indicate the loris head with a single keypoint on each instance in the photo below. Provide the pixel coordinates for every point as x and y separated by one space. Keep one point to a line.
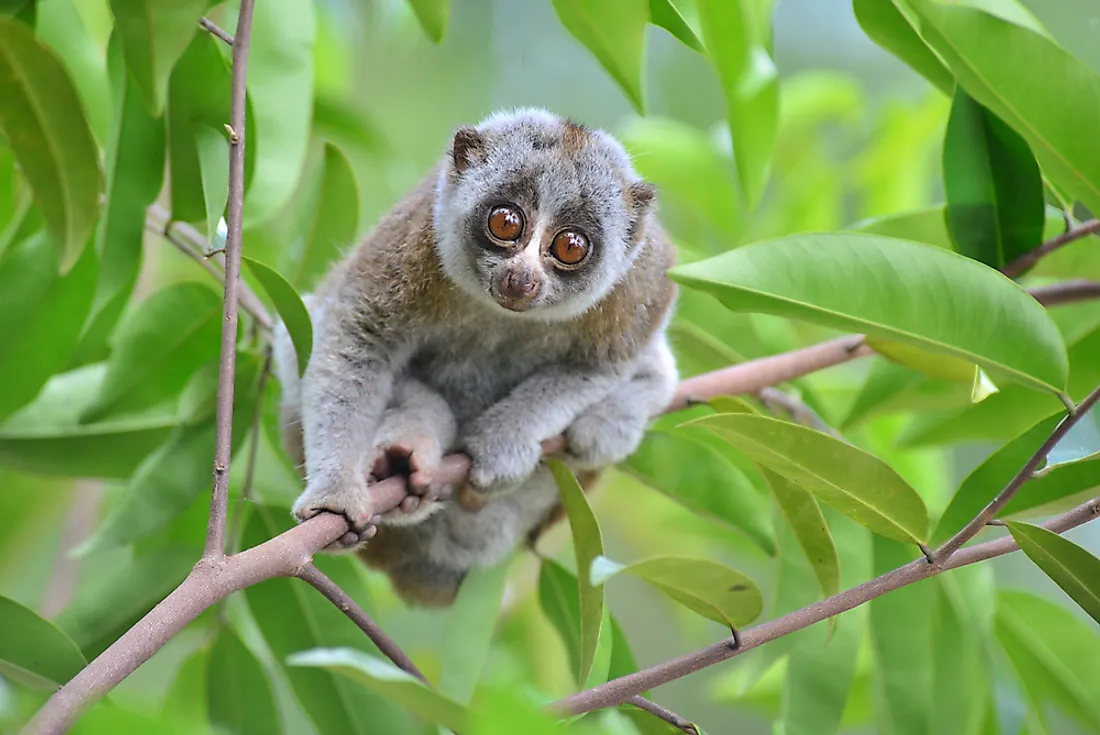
537 216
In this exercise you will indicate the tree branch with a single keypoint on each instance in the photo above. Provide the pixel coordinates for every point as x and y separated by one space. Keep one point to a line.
664 713
216 30
1025 261
219 499
1067 292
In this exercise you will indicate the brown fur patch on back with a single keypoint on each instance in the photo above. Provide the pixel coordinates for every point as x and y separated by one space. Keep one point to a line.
574 137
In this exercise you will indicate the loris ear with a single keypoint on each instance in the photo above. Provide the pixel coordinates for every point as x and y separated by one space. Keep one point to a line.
468 148
641 195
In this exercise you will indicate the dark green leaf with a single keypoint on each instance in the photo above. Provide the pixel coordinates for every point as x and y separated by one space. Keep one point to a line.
1055 654
1074 569
587 545
993 186
185 702
809 526
237 691
469 633
333 214
614 31
736 36
46 437
432 15
158 347
135 173
46 128
293 618
708 588
1040 90
559 600
39 336
154 36
885 25
280 90
389 682
857 484
33 651
665 14
290 307
961 683
698 477
922 295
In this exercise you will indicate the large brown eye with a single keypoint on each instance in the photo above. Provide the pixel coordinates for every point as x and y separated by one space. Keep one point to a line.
506 223
569 247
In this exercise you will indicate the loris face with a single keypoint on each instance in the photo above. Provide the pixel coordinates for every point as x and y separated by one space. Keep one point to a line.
536 216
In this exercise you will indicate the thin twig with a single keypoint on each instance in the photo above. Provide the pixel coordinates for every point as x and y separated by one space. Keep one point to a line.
317 579
664 713
619 690
1026 473
1025 261
219 499
216 30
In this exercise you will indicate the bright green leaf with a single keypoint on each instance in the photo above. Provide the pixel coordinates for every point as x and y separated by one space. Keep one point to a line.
907 292
46 128
237 691
698 477
929 226
33 651
280 90
469 633
1040 90
290 307
804 515
158 347
505 710
735 35
665 14
993 186
856 483
587 545
213 149
61 27
432 15
154 36
885 25
708 588
614 31
1074 569
389 682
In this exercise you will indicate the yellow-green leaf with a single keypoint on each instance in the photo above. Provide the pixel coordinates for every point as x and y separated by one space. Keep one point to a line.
1071 567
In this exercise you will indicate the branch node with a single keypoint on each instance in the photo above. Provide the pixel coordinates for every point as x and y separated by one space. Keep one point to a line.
929 555
211 253
995 521
735 644
215 30
1071 407
234 139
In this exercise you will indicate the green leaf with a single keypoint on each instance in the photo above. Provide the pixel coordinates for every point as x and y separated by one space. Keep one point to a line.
994 189
38 337
46 437
885 381
856 483
735 35
920 295
135 173
292 617
432 16
929 226
213 149
158 347
560 602
708 588
665 14
689 169
901 633
185 701
1074 569
389 682
469 632
587 545
46 128
614 31
333 216
154 36
697 476
802 512
290 307
1041 91
505 710
961 683
237 691
1054 653
280 92
885 25
33 651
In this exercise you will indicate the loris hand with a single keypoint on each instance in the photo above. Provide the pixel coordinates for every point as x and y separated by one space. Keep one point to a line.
346 496
416 459
502 458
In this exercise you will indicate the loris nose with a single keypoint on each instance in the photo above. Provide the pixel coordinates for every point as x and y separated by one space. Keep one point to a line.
519 284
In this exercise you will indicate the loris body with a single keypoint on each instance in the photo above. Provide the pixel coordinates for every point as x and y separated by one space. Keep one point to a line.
518 293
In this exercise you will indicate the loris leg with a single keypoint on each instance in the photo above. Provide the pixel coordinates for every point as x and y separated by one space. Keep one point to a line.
611 429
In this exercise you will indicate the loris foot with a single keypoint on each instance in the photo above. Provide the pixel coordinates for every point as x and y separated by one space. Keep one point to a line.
500 461
348 498
417 463
601 438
